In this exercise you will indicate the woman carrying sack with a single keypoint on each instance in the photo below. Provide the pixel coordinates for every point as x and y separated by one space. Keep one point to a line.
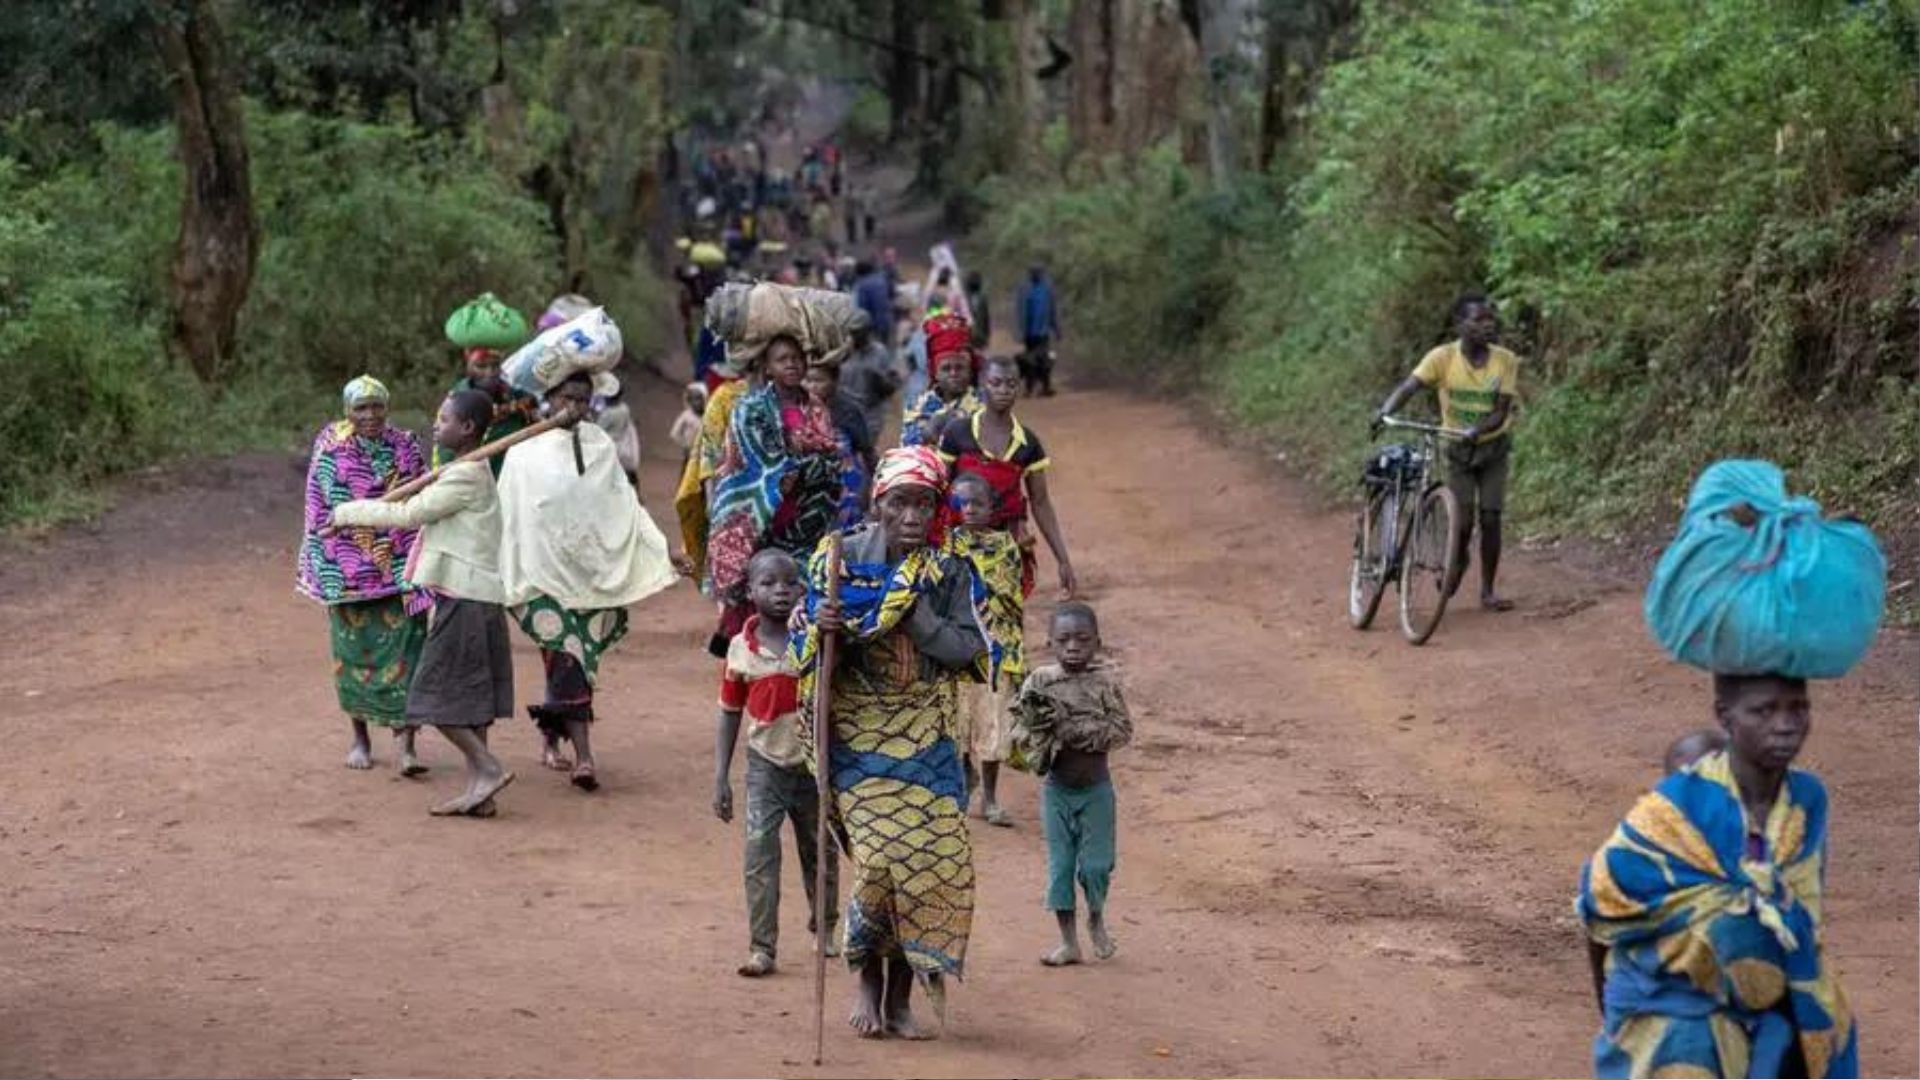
1703 909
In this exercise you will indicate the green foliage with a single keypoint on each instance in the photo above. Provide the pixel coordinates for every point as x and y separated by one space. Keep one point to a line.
1141 253
384 197
370 235
1699 221
865 130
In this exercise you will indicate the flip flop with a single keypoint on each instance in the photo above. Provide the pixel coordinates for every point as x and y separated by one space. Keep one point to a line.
415 769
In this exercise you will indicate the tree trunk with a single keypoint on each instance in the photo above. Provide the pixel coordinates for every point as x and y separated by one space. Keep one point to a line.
1275 107
903 77
214 256
1222 24
1093 38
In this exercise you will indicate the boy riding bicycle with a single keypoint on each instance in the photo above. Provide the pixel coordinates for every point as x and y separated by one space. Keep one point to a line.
1477 381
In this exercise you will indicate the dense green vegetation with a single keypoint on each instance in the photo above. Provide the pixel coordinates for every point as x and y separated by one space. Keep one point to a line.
403 158
1700 220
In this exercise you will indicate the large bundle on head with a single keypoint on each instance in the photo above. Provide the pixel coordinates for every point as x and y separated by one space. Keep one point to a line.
564 309
486 323
747 317
589 343
1758 583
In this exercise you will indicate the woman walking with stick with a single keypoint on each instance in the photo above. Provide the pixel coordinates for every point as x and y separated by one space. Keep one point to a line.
908 635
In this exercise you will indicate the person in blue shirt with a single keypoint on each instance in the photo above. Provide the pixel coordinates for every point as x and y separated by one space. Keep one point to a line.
873 293
1039 314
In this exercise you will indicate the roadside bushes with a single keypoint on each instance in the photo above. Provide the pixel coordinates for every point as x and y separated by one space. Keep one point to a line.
1700 223
371 234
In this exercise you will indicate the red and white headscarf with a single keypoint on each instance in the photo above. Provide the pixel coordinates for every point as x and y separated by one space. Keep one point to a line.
947 334
909 466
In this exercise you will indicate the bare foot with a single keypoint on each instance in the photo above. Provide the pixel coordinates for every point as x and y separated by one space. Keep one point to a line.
865 1018
1492 602
1103 944
757 965
903 1025
468 801
583 777
360 757
1062 956
552 758
996 816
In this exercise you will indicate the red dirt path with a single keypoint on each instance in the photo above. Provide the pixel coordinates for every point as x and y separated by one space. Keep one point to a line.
1339 855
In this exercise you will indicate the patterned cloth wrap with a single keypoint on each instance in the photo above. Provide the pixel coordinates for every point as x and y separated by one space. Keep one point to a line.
1714 956
999 600
899 790
779 486
704 459
376 650
930 413
583 635
357 564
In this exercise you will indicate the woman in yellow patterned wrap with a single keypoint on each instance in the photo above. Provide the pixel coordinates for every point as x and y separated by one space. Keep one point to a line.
906 617
1704 910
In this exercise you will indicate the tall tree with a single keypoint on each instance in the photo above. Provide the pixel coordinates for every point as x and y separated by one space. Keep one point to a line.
904 72
1223 25
213 258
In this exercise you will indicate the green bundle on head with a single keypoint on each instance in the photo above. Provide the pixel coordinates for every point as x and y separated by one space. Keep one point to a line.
486 323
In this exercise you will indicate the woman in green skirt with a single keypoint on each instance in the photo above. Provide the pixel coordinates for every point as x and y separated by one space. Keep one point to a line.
378 623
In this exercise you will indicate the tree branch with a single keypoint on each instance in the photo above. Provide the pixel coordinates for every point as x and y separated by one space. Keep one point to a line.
840 27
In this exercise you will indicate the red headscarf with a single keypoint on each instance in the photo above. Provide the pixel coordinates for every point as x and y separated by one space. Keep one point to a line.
947 334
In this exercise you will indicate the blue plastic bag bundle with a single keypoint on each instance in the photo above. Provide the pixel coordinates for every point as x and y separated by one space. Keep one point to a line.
1758 583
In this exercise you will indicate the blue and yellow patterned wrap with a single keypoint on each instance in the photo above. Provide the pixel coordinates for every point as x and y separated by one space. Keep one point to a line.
898 787
998 601
1713 962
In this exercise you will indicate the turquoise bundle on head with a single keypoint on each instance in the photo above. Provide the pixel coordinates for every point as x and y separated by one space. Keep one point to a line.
362 390
486 323
1758 583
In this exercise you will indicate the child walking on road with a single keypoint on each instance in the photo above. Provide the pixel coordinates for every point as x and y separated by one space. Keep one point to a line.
465 678
995 557
762 683
1069 716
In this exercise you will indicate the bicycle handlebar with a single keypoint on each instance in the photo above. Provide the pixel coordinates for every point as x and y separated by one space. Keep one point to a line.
1415 425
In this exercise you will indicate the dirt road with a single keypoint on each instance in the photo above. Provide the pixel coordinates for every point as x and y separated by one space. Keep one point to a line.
1339 855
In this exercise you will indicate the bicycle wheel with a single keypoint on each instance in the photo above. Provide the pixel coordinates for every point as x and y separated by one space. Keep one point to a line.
1372 558
1429 565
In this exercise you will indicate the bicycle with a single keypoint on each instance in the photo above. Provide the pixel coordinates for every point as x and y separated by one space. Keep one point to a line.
1407 534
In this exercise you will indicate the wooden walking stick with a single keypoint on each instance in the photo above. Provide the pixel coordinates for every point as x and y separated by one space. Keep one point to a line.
823 783
493 449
